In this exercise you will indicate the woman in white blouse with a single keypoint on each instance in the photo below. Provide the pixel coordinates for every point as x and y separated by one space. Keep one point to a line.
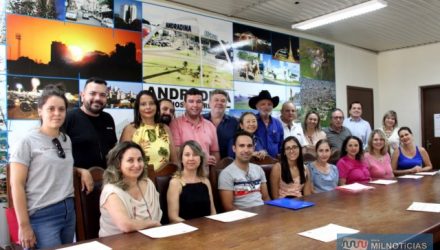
129 200
390 128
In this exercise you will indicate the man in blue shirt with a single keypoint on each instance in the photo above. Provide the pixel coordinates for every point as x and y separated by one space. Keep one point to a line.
358 126
226 125
270 130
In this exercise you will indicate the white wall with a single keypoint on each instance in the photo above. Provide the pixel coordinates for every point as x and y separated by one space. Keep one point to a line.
355 67
401 73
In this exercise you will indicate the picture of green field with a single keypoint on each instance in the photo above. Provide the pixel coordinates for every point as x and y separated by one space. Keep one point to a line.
165 66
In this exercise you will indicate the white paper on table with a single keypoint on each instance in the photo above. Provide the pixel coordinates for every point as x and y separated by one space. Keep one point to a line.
355 187
231 216
168 230
328 233
411 176
424 207
427 173
383 182
94 245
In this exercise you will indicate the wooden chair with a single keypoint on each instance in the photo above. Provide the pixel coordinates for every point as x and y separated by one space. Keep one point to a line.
87 206
334 157
161 179
308 157
267 160
8 187
10 207
266 164
267 170
214 172
11 219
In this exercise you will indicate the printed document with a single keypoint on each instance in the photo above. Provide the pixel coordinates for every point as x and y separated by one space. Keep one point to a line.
168 230
231 216
328 233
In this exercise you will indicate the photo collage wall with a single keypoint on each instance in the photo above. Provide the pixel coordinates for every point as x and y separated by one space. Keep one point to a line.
135 46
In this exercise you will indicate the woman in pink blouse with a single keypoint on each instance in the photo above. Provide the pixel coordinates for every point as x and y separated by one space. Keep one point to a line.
352 166
377 157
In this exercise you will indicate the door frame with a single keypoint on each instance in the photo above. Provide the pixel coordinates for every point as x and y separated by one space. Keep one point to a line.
422 111
371 91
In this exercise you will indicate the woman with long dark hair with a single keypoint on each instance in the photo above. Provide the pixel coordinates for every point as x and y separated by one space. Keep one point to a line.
352 166
289 177
154 138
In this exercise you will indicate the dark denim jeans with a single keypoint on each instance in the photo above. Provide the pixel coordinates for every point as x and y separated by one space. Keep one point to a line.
54 225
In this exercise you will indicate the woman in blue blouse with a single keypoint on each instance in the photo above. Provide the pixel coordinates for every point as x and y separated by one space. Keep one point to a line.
409 159
325 176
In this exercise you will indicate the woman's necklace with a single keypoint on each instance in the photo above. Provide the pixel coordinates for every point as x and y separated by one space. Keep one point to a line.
378 156
310 137
145 201
388 132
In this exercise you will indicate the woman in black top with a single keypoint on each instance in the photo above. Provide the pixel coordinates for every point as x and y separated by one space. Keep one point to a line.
189 194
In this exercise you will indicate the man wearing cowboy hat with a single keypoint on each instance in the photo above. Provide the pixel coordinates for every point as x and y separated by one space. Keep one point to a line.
270 129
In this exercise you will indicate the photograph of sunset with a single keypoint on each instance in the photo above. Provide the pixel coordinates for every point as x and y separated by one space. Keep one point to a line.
71 50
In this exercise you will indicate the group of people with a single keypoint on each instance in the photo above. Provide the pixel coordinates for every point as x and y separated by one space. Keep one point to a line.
44 161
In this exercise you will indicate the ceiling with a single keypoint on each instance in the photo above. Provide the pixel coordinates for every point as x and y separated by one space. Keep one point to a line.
402 24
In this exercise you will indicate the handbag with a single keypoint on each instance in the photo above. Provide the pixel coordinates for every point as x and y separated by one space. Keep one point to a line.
11 218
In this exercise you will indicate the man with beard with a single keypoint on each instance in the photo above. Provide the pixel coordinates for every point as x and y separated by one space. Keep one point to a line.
270 130
242 184
91 130
166 111
226 125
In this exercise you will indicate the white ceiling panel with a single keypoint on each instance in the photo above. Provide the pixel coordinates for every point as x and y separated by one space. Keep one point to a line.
403 23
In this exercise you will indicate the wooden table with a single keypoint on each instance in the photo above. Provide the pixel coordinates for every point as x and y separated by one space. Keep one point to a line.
378 211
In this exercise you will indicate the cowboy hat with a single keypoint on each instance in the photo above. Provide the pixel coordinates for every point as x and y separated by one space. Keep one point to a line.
263 95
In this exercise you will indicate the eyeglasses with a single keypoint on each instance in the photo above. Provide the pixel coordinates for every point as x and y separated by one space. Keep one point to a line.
294 147
338 117
250 182
60 150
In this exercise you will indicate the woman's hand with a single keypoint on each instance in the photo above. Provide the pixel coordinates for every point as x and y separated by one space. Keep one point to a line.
211 160
152 223
416 169
260 154
26 236
86 180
